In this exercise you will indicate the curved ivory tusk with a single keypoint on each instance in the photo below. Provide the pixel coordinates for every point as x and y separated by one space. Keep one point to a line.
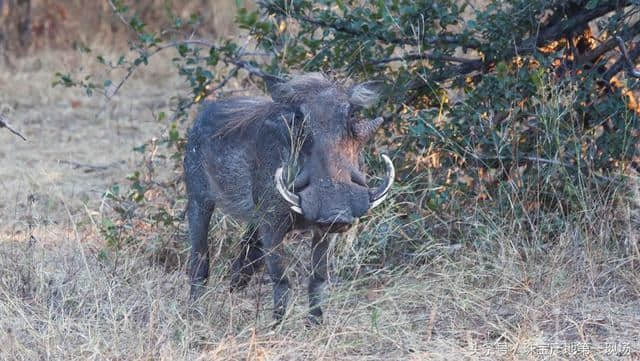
378 196
290 197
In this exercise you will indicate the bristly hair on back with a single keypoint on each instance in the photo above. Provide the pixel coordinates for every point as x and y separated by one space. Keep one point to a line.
285 97
300 88
241 112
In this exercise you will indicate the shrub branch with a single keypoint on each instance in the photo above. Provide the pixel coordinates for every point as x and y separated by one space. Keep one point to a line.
4 124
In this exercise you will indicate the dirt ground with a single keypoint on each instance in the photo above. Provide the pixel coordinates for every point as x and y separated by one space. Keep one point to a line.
76 146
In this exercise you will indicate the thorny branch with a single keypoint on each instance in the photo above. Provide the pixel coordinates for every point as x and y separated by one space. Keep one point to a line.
4 124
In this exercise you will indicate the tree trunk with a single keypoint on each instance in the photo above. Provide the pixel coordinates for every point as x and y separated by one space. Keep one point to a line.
15 27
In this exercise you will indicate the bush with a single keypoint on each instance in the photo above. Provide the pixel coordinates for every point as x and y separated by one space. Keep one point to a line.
485 104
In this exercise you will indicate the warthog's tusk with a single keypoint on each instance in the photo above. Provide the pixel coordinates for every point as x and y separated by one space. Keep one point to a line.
380 193
290 197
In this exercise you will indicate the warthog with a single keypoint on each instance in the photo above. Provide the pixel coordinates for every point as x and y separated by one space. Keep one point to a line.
239 154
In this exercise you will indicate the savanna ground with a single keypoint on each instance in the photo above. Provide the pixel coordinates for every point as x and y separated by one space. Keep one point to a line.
493 284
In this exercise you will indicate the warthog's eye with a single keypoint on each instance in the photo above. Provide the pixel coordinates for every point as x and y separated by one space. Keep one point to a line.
353 122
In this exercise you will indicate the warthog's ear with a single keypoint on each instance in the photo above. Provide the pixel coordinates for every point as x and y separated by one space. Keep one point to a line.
366 94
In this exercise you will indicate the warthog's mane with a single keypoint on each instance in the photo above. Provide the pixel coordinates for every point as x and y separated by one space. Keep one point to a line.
241 112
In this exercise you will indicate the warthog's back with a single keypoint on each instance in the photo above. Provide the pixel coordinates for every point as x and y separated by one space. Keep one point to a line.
224 154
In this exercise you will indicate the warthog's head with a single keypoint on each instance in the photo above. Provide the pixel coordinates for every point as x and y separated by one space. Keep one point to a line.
330 189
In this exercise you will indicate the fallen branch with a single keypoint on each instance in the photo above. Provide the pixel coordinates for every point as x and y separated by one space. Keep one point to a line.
4 124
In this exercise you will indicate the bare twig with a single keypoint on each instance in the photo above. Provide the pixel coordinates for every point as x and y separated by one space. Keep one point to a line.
595 54
4 124
130 72
623 62
224 81
119 14
269 78
545 161
238 63
422 56
173 44
220 85
89 167
631 69
159 48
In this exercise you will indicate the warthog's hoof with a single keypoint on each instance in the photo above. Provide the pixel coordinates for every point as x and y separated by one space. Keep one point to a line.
239 281
315 317
197 290
313 321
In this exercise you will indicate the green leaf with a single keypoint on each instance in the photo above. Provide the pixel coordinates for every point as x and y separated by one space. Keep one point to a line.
592 4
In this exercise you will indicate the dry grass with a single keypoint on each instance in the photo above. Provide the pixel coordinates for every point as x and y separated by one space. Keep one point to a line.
62 300
493 297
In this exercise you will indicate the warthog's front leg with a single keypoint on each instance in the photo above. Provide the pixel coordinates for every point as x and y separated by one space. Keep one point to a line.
248 261
319 244
271 241
199 214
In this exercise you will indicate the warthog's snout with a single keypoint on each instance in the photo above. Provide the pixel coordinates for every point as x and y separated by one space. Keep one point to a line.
334 207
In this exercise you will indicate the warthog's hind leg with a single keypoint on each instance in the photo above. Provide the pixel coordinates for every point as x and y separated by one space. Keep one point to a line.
248 262
199 213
